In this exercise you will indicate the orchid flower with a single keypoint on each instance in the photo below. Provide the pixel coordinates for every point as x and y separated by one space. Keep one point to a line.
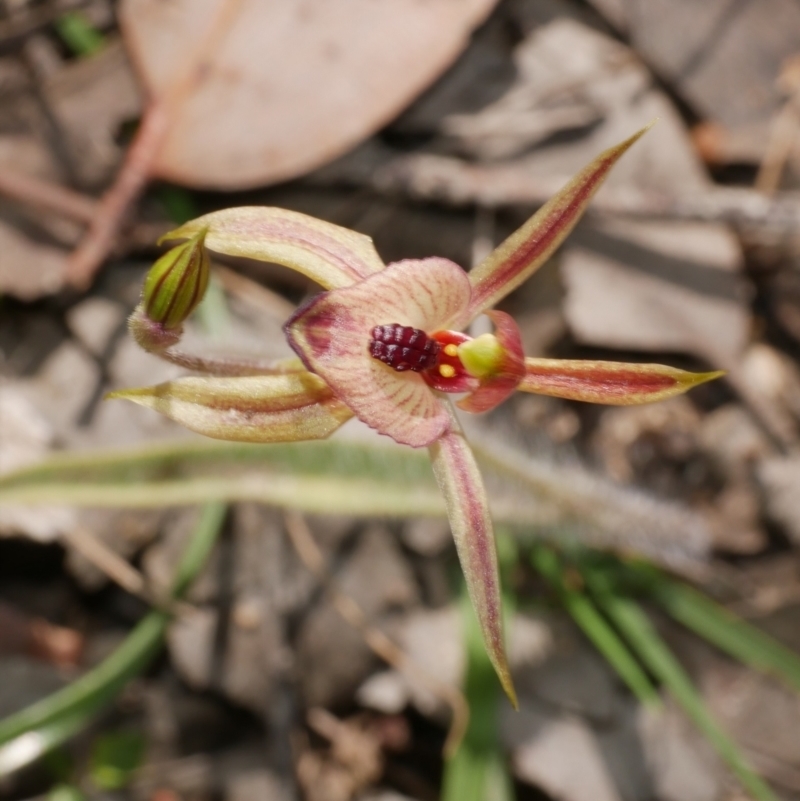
384 344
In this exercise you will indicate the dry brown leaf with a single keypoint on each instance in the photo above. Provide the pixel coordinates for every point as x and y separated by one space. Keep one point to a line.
31 263
563 758
658 286
28 269
721 57
91 100
780 479
290 85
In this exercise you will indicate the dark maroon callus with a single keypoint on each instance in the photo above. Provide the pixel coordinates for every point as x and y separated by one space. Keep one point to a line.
403 348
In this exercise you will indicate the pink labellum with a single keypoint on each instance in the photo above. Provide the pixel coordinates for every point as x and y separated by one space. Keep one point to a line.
332 335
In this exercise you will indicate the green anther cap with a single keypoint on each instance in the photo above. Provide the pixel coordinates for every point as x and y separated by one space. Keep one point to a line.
176 283
483 356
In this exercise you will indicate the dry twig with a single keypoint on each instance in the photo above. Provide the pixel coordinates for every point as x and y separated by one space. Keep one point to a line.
445 179
137 168
47 196
112 564
785 128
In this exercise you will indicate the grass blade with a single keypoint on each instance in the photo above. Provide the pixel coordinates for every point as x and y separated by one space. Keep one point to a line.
585 614
337 476
477 771
25 735
634 624
726 631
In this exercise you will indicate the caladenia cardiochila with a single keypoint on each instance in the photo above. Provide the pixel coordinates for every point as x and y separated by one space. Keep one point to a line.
384 344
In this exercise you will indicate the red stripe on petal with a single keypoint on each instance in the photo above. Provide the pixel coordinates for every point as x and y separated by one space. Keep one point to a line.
611 383
277 408
329 254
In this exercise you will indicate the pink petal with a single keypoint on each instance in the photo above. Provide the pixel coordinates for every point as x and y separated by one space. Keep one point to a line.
467 508
275 408
496 388
613 383
328 254
529 247
332 334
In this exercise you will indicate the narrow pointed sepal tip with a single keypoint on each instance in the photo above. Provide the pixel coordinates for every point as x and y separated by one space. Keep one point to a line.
507 683
125 394
514 260
695 379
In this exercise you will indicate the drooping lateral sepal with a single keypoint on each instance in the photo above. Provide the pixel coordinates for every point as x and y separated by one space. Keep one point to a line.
612 383
468 511
531 245
497 360
328 254
263 408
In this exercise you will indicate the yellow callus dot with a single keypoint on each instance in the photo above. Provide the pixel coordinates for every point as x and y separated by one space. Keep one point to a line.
451 349
447 370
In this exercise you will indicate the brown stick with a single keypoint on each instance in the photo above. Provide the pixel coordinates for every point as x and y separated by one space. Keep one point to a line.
449 180
131 180
137 169
119 570
46 195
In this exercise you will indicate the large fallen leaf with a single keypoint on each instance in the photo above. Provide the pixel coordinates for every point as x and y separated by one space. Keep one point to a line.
289 85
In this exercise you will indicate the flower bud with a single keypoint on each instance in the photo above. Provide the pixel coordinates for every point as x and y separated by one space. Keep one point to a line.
176 284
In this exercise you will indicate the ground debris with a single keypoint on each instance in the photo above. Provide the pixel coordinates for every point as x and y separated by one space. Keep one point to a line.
272 684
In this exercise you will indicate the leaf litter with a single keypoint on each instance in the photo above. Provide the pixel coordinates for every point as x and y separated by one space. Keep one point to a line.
679 284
